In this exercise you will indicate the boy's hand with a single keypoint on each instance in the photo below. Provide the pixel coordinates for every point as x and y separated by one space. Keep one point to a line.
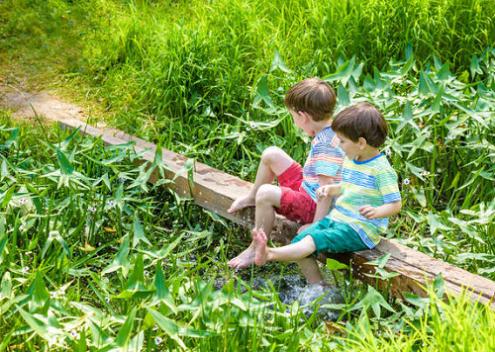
368 212
328 191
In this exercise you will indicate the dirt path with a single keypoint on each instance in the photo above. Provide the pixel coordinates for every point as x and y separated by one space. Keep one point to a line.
47 107
27 105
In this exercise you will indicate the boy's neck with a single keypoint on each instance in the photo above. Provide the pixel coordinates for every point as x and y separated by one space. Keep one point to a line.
367 153
317 126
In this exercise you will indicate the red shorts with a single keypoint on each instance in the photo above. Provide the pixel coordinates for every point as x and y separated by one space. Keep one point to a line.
295 203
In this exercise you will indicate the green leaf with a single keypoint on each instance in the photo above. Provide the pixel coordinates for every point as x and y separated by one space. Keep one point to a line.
37 326
262 93
435 223
439 286
278 63
416 171
35 198
82 344
194 332
139 235
120 261
474 67
64 163
382 274
239 304
168 326
106 181
162 293
419 194
14 135
436 104
374 300
3 244
97 332
343 73
420 302
124 334
407 117
136 279
137 342
38 291
423 86
444 72
7 196
6 286
333 264
343 96
407 66
381 261
4 170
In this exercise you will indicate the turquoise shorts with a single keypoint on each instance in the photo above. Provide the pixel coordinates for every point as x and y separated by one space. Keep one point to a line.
333 237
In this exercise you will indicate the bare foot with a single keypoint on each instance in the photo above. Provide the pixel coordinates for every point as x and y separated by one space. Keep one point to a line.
243 260
241 203
261 250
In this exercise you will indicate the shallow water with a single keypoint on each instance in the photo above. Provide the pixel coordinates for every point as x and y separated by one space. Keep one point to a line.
292 288
310 297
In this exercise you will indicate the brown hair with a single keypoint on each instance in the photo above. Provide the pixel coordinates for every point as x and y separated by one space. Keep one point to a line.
313 96
362 120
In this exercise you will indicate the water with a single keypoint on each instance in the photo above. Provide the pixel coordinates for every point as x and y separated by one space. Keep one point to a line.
292 288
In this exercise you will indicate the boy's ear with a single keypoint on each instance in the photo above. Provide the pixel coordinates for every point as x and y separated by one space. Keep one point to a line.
305 115
362 142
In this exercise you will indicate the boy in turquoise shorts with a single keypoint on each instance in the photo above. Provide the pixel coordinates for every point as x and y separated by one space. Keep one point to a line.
367 196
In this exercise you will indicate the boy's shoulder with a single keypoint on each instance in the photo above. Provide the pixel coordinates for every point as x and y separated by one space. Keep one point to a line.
326 136
377 165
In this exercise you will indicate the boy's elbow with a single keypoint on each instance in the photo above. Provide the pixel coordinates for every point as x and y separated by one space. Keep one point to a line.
398 207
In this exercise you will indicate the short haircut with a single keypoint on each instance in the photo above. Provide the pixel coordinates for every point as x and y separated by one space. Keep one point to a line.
362 120
312 96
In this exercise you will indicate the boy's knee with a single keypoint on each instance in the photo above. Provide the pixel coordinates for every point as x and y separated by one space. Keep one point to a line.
266 194
270 154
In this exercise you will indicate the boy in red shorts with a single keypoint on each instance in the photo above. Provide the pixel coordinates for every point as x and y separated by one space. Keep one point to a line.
311 103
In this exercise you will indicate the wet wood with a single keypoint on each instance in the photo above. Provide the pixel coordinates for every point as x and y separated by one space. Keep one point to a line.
215 191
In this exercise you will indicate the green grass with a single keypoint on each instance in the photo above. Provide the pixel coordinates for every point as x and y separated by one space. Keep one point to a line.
92 258
78 220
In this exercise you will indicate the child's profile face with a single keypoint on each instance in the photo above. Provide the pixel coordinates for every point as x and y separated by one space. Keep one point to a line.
302 121
350 148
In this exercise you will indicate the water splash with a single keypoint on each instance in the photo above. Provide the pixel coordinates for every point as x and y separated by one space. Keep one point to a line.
310 297
292 288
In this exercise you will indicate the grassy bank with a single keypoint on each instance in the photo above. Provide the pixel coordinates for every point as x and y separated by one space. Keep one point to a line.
92 258
162 70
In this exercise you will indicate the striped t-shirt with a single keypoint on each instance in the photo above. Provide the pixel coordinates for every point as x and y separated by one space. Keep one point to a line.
325 158
370 182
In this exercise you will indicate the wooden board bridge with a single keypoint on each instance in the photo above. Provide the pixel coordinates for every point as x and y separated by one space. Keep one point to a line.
215 191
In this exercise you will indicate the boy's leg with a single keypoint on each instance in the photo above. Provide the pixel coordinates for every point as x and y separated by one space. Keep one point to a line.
292 252
310 269
267 198
300 252
274 161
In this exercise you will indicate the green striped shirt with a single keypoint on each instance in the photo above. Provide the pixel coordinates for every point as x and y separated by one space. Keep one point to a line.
370 182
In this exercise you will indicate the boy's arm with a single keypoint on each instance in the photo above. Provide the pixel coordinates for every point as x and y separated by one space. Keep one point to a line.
383 211
325 194
323 203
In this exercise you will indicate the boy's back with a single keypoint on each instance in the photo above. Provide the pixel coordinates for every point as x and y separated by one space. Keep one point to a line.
324 158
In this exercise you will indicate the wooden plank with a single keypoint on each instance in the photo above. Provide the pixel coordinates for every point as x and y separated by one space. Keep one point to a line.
215 190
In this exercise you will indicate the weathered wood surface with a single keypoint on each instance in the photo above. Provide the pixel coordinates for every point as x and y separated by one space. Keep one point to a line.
215 190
